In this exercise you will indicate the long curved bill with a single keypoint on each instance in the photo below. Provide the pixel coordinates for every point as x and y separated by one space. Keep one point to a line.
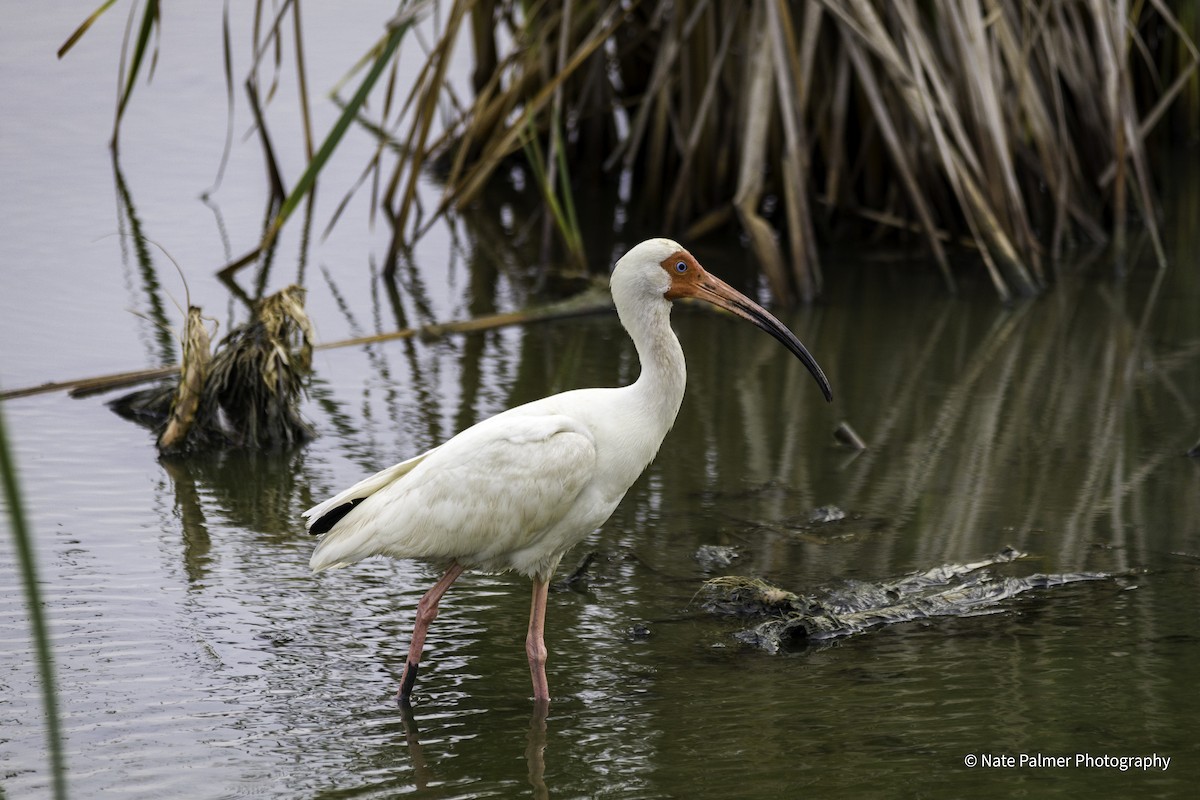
695 281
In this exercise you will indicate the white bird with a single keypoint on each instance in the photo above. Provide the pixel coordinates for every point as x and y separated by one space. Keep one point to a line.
518 490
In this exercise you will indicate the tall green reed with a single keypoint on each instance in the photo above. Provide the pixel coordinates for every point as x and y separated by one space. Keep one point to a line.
23 539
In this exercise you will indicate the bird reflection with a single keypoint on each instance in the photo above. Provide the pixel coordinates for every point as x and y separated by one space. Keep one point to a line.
535 749
413 740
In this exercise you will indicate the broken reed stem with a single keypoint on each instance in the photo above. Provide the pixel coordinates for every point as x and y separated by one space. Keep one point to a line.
849 437
197 359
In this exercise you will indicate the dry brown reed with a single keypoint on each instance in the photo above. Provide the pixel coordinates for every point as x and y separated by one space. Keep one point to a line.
1020 124
1019 127
194 370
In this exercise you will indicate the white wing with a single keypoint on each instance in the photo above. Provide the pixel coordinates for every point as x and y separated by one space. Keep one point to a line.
498 488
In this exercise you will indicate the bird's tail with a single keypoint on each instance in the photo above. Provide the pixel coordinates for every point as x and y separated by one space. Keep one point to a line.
347 536
342 547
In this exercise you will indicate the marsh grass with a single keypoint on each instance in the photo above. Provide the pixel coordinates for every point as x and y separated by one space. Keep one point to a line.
1023 129
39 629
1020 127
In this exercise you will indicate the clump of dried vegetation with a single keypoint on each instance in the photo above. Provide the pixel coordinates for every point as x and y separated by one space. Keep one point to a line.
1017 127
245 394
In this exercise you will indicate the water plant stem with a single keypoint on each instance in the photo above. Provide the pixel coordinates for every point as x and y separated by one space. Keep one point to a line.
37 619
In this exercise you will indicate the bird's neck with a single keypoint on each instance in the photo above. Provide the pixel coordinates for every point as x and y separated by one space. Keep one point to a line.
659 388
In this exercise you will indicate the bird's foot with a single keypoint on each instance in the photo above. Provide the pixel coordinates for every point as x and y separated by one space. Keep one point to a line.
406 684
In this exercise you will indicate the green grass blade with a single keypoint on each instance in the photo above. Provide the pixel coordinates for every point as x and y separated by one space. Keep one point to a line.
33 599
533 154
570 222
149 20
82 29
227 62
353 106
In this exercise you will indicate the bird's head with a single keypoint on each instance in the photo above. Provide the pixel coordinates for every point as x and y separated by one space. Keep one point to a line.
661 268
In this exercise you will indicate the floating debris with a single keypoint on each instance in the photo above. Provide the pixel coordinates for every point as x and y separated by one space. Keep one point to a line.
578 576
246 394
1195 451
849 437
858 606
732 595
824 514
638 631
714 556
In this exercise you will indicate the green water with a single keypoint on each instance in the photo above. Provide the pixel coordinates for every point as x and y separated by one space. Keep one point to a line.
197 657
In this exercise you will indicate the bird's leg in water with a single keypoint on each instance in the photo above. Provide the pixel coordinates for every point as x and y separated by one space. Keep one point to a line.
535 643
427 611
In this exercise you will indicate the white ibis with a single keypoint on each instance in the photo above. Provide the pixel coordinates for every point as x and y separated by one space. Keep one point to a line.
518 490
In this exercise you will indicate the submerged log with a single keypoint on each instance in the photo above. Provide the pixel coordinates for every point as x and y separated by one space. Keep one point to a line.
793 620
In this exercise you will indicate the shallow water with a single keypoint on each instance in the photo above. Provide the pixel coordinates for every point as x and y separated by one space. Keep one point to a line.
197 657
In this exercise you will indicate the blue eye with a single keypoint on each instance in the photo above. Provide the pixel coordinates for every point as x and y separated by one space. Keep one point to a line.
680 266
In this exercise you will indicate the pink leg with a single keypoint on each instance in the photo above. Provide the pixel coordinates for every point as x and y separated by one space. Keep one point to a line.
535 643
427 611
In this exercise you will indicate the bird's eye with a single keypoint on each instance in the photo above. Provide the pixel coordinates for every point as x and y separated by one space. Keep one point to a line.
680 266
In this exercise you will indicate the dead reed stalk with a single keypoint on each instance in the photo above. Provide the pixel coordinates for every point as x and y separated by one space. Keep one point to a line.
1020 126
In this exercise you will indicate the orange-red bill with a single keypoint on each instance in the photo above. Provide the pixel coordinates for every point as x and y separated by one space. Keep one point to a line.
689 279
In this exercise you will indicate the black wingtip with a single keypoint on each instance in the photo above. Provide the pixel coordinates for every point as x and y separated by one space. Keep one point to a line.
324 523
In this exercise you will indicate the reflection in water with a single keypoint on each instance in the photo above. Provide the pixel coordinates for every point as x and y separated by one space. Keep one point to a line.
1045 415
133 237
196 542
258 492
412 737
535 750
429 773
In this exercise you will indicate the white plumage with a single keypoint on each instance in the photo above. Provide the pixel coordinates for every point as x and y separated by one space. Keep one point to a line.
472 499
518 490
